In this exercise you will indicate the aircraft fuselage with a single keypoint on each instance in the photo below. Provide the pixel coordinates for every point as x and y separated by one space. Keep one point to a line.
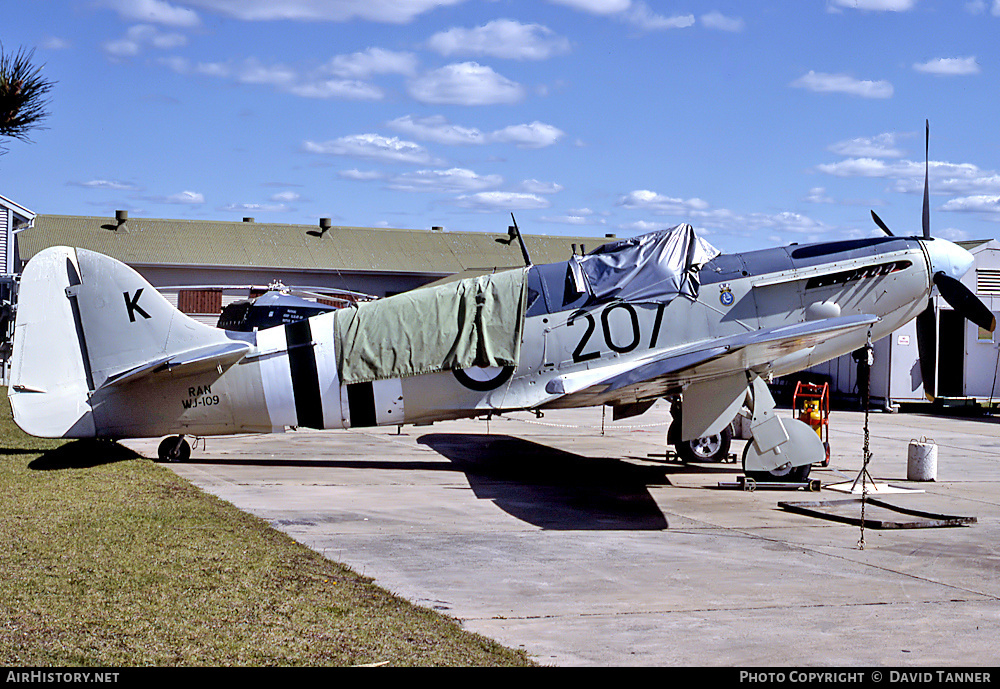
289 376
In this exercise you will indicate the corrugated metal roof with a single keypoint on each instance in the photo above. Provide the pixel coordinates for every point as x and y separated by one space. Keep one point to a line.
970 244
148 241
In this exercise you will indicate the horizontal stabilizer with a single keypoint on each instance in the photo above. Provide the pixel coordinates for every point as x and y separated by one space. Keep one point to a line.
216 356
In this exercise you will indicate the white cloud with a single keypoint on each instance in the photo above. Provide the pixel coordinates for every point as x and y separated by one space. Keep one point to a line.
438 130
364 64
257 207
596 6
843 83
876 5
501 38
952 234
361 176
857 167
186 197
717 20
286 197
636 13
645 226
465 83
880 146
949 66
949 178
981 203
340 89
702 215
390 11
493 201
785 222
253 72
577 216
373 147
140 36
534 135
108 184
646 200
56 43
908 176
818 195
453 180
639 15
282 77
534 186
154 11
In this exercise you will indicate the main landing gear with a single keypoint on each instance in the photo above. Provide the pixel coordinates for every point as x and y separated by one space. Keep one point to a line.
174 449
781 449
711 448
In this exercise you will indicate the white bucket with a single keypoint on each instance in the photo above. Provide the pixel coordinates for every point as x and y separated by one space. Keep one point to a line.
921 460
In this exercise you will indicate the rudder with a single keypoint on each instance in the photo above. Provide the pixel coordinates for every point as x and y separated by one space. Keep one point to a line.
84 321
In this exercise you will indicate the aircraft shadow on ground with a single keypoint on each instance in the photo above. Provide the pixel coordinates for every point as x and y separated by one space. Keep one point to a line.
551 488
83 454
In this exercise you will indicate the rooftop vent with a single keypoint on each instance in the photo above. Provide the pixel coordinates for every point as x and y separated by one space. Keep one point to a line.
248 220
437 228
324 225
121 220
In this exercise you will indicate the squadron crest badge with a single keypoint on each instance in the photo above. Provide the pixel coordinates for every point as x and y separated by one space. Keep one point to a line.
726 294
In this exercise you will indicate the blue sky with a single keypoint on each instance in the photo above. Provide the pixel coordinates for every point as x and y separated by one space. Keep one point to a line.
759 123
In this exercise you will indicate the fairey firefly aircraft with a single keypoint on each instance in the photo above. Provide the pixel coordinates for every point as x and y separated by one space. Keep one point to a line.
99 353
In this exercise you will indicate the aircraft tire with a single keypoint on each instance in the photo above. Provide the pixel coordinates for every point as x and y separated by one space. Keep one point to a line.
712 448
799 474
170 451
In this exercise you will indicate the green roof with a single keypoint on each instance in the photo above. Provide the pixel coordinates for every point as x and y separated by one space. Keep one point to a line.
151 242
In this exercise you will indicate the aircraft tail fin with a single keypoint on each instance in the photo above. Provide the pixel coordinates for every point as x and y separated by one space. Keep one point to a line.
84 322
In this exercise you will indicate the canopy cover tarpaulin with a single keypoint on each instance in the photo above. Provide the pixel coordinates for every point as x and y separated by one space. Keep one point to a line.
656 266
471 322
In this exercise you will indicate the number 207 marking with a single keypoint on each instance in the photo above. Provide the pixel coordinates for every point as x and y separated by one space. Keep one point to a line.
622 345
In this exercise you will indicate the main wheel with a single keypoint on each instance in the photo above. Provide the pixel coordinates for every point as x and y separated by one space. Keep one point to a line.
711 448
174 448
787 474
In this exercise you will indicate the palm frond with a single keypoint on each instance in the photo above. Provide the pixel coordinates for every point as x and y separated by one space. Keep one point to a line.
22 94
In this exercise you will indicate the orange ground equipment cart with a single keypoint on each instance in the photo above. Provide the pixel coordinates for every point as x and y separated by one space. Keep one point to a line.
811 402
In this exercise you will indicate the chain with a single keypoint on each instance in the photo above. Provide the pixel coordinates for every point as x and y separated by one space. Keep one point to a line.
866 451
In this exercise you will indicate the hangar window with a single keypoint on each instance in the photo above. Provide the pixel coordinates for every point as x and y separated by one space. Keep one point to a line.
987 281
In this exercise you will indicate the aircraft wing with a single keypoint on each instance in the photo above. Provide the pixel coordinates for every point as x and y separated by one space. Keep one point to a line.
726 355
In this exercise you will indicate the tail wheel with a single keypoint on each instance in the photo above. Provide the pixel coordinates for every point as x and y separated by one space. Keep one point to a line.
174 449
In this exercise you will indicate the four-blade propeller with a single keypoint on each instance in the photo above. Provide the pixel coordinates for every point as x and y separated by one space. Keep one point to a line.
958 296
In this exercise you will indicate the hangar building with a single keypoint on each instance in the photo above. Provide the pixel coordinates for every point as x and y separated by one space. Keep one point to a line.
201 266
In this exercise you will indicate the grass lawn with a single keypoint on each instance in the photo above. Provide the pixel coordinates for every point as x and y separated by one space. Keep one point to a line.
108 559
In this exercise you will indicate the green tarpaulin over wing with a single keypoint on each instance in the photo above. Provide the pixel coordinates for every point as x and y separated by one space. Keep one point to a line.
472 322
